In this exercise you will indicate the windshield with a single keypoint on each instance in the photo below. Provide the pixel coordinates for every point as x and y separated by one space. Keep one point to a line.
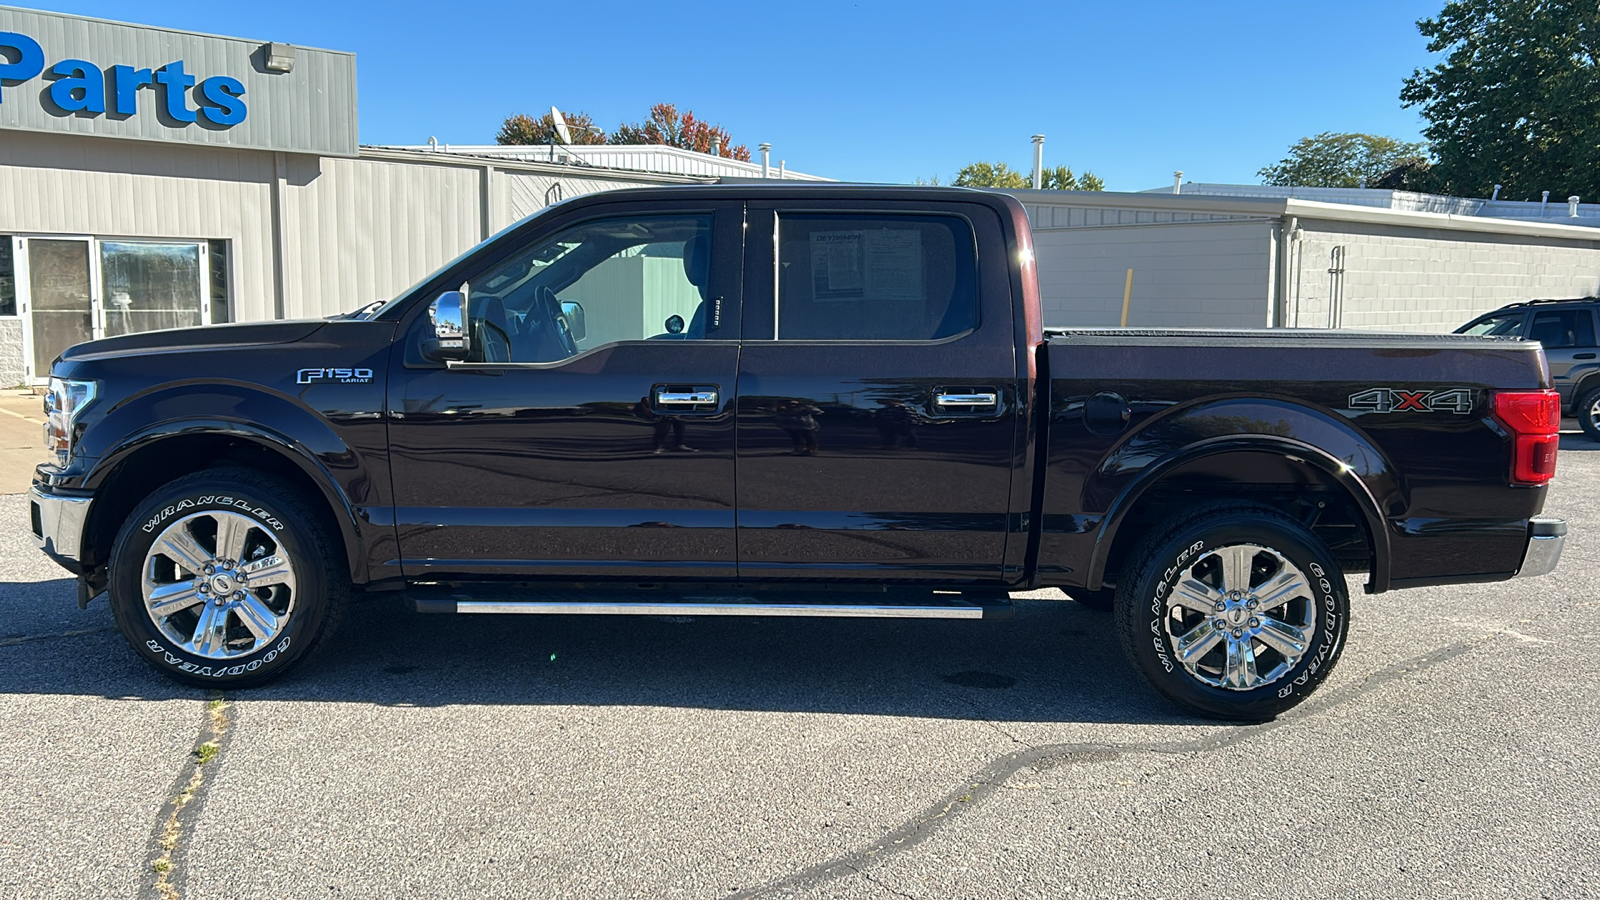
1510 323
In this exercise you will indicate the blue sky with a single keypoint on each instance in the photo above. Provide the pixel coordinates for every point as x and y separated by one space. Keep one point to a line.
874 91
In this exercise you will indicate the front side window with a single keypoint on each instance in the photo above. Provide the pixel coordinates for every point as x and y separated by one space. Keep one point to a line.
875 277
1563 328
1497 325
599 282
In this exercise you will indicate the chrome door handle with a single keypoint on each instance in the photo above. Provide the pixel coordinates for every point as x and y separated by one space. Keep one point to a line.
974 399
686 397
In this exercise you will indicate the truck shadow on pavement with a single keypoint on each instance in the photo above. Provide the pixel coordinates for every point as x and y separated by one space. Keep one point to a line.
1054 662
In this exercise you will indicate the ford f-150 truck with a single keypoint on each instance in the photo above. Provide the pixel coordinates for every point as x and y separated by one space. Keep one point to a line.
781 400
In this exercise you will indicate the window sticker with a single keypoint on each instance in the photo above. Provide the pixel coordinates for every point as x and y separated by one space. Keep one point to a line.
883 264
836 263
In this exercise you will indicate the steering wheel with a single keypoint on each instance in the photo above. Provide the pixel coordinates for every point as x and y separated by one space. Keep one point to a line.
548 310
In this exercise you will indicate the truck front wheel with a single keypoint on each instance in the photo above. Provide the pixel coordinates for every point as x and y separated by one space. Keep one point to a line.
1234 611
226 578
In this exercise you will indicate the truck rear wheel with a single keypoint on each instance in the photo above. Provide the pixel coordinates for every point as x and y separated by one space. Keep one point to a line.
1588 413
1234 612
226 578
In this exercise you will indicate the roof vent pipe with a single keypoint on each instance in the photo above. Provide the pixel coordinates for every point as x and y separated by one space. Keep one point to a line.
782 169
766 160
1496 194
1544 200
433 145
1177 182
716 146
1572 206
1038 161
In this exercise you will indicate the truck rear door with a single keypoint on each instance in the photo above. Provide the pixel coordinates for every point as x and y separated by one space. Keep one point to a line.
877 393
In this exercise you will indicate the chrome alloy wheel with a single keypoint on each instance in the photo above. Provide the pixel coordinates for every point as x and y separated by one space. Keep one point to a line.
218 584
1240 617
1594 413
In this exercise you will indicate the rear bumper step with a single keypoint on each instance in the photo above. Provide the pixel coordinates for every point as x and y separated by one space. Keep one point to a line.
597 603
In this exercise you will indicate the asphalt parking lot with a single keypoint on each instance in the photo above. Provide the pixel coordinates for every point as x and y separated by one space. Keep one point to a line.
1452 754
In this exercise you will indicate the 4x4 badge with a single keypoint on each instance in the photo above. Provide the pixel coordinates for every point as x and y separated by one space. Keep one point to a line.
1388 400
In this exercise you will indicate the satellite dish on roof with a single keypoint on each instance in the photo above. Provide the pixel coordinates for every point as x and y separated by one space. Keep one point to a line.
561 126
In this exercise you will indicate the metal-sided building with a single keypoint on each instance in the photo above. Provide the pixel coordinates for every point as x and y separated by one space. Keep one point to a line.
1240 258
152 178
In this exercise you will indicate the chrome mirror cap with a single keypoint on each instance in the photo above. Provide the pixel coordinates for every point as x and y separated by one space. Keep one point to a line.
448 313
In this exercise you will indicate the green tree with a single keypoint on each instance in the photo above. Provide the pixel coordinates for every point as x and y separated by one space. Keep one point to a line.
1340 160
666 126
1000 175
525 129
1516 100
995 175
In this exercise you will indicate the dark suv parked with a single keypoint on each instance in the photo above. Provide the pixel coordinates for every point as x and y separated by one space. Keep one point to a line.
1567 330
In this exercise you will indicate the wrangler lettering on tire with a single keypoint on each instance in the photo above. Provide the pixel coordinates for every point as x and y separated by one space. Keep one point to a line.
226 578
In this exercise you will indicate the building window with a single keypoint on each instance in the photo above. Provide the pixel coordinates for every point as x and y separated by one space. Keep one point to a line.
221 298
149 285
8 278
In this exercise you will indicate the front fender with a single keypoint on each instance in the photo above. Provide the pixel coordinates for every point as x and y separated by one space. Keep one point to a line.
1246 424
244 412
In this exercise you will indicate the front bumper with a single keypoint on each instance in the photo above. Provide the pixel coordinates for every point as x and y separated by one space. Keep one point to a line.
58 522
1545 539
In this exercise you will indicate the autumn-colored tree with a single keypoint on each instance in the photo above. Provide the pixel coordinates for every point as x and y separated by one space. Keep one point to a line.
666 126
525 129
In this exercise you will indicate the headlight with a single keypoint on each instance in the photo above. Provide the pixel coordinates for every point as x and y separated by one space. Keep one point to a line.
66 400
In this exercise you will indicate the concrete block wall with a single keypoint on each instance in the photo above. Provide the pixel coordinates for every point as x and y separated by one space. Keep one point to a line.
1409 279
1214 275
13 368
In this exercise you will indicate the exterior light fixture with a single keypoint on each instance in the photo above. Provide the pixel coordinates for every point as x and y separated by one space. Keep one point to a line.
277 57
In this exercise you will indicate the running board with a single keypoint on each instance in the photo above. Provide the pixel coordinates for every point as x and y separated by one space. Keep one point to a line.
923 605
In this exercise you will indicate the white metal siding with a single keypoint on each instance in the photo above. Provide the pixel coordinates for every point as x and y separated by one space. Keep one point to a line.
64 184
1184 275
362 230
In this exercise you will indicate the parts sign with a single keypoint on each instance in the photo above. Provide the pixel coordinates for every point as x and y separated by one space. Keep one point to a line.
84 88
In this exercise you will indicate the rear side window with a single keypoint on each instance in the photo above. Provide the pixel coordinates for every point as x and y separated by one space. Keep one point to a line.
1563 328
1502 324
875 277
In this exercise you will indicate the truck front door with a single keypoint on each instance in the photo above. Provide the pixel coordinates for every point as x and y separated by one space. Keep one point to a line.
590 434
878 424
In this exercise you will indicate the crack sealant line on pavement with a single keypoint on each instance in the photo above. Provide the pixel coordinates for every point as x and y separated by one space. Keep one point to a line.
31 638
1049 756
166 864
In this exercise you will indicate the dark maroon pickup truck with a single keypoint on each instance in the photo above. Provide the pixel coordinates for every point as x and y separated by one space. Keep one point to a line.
786 400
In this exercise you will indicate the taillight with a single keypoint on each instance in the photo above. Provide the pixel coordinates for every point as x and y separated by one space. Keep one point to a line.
1534 420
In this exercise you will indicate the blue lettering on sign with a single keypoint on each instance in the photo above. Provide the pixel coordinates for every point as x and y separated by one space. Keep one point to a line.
79 86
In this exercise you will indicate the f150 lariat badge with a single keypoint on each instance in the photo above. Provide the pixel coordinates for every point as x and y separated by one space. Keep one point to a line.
333 376
1391 400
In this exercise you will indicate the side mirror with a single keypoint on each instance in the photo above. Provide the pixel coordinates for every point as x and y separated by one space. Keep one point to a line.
448 314
572 312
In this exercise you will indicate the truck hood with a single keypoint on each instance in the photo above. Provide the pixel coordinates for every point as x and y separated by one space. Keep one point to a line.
204 337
